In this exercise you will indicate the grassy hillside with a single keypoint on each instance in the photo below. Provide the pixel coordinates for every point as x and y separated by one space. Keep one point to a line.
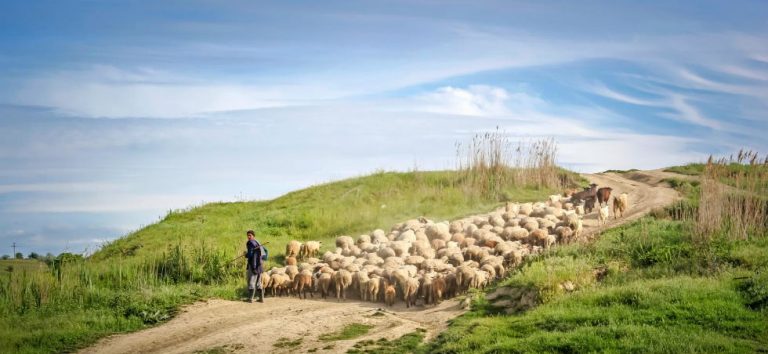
143 278
348 207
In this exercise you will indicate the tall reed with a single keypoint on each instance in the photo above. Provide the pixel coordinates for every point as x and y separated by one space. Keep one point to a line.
734 197
491 162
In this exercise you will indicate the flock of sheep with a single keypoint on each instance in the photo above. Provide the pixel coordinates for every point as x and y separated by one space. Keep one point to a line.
429 261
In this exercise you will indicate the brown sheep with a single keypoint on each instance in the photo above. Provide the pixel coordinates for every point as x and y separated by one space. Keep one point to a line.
290 260
292 248
389 295
620 205
438 289
302 283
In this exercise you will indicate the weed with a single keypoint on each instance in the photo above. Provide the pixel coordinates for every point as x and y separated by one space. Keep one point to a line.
349 331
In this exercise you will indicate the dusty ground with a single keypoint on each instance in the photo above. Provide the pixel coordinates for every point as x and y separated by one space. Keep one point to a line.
233 326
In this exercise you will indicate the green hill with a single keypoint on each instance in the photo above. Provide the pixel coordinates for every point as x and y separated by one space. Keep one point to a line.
349 207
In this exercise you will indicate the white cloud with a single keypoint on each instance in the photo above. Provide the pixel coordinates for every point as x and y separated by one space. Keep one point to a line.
477 100
107 203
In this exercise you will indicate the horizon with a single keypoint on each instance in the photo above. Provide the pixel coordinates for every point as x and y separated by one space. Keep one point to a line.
111 114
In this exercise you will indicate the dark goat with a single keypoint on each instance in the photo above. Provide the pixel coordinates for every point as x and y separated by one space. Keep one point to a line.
586 193
589 205
603 194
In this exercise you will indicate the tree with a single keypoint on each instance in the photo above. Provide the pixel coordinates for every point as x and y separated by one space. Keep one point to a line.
6 257
19 255
33 255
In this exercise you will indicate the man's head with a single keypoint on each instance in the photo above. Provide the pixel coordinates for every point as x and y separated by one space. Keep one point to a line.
250 234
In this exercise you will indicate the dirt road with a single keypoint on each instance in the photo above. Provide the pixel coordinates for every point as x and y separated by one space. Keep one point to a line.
232 326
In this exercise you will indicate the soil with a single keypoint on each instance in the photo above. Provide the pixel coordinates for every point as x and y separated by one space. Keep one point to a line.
287 325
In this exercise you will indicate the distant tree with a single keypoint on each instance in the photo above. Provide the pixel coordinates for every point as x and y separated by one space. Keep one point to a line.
33 255
19 255
6 257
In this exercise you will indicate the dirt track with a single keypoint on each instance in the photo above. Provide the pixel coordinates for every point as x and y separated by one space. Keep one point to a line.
246 328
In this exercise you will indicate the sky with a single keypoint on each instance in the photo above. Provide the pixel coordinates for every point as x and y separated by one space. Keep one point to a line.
112 113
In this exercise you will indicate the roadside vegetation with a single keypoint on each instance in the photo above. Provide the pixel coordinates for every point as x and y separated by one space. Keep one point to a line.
692 277
142 279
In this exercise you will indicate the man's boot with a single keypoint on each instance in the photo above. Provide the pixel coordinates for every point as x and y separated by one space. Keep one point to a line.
253 294
261 295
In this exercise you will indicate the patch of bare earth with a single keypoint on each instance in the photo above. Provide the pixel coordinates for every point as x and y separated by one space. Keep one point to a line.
242 327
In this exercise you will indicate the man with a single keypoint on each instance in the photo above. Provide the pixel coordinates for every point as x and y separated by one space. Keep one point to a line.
255 268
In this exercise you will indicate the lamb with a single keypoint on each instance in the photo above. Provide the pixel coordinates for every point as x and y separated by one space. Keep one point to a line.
603 215
620 205
290 260
292 248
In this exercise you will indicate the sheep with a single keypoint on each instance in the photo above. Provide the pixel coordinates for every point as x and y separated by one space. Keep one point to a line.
292 248
278 283
378 236
564 233
438 289
538 237
344 242
580 209
620 205
410 292
302 283
373 285
389 295
602 216
265 278
426 289
342 279
290 260
526 209
324 284
291 271
309 249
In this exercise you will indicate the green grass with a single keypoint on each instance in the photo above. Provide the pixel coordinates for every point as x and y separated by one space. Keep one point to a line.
21 265
287 343
693 169
408 343
350 331
142 279
621 171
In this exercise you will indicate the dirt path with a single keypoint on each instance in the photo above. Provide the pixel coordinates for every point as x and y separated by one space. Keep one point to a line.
232 326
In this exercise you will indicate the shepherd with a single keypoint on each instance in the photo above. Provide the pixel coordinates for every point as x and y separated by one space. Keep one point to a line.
254 255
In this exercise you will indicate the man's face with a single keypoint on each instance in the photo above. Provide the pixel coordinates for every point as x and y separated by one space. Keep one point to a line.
250 237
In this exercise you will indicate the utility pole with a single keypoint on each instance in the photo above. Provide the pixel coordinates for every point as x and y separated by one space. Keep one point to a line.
14 249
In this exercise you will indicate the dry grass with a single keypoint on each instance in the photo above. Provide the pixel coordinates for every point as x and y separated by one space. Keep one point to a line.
738 209
492 161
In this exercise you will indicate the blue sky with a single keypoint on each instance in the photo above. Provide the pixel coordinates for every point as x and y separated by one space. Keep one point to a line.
114 112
